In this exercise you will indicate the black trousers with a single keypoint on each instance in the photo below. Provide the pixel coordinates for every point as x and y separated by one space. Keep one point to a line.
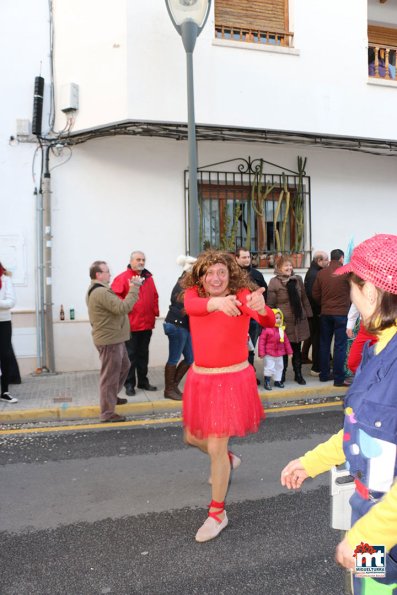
296 358
138 352
314 341
6 354
254 331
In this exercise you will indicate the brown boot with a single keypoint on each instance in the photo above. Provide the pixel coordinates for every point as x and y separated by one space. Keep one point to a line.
181 370
169 388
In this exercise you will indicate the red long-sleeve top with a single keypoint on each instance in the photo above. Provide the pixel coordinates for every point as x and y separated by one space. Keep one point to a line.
356 350
220 340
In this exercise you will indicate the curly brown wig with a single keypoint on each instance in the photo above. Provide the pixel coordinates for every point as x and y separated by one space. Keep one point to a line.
238 278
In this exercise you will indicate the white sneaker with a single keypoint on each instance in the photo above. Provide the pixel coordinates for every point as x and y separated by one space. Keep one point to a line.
211 529
235 462
8 398
314 373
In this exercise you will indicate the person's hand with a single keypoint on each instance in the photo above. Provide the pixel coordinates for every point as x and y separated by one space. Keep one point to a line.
293 475
136 281
256 301
228 305
344 555
349 333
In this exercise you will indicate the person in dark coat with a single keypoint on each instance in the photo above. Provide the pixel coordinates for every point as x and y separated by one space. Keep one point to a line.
243 259
332 293
287 292
320 261
176 327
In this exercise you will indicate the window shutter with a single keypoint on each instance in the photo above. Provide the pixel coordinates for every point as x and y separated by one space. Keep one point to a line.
382 36
265 15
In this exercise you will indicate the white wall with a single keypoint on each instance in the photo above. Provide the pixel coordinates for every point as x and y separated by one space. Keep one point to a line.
321 86
24 55
382 14
120 194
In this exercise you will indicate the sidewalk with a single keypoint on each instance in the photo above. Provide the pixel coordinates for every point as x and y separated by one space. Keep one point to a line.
74 396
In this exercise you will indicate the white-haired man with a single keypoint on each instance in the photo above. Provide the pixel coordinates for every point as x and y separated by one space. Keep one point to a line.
142 320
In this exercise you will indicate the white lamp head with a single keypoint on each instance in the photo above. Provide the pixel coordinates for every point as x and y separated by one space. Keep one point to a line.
188 10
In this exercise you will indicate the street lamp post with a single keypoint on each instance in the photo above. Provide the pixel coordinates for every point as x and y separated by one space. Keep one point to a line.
189 17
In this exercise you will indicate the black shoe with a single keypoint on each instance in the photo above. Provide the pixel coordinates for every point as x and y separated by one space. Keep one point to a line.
266 383
129 391
8 398
327 379
279 384
121 401
299 379
346 384
147 387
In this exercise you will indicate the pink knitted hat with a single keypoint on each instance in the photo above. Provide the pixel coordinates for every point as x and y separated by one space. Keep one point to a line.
375 260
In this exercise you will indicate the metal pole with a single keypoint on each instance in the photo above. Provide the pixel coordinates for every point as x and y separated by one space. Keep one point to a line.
194 214
189 32
47 248
39 280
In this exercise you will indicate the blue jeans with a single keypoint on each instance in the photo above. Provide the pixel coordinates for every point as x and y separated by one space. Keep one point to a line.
180 343
333 326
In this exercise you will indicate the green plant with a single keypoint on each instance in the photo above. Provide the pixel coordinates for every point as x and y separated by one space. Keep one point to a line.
283 196
228 240
299 206
258 198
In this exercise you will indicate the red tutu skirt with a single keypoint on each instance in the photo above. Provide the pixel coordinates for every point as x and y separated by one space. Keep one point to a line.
225 404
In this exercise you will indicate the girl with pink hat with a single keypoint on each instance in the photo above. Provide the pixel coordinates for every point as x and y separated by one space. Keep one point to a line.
368 442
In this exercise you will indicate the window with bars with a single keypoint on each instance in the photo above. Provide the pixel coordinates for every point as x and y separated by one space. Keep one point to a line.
267 213
253 21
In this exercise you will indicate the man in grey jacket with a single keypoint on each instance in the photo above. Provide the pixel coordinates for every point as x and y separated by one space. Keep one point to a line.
110 329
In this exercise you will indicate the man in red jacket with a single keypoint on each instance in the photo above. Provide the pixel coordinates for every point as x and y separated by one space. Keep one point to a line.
142 320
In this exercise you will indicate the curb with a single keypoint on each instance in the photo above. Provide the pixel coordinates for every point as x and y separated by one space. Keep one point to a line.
66 413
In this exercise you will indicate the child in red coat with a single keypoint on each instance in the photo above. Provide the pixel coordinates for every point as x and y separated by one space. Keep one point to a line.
273 345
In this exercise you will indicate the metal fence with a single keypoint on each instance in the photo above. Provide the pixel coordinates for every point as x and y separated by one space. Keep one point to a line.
252 206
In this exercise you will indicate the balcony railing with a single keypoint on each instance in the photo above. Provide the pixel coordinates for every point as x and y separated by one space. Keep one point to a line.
382 62
280 38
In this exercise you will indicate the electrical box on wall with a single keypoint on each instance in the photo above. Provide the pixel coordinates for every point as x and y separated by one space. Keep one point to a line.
23 127
69 99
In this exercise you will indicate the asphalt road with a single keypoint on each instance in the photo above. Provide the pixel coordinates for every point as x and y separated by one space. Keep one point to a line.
115 511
